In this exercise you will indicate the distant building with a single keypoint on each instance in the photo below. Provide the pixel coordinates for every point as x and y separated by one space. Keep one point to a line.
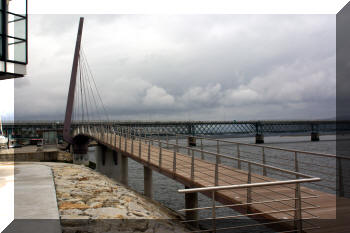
13 38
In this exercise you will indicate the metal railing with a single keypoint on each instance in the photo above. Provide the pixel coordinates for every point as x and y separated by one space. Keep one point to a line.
224 176
326 166
297 223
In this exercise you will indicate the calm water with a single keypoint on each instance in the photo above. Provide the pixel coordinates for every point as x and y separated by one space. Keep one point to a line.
165 189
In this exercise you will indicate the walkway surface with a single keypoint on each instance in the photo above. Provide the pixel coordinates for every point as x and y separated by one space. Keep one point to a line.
316 204
6 194
35 205
35 194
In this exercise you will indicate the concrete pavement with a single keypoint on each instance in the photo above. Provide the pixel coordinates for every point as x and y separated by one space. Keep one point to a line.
35 204
6 194
35 194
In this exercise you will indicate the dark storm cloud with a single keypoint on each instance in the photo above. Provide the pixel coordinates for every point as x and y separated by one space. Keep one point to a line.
187 66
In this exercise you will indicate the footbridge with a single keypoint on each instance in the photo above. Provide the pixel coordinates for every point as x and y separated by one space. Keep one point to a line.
288 193
278 189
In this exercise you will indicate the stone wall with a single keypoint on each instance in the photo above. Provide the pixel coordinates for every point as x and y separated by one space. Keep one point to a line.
30 157
91 202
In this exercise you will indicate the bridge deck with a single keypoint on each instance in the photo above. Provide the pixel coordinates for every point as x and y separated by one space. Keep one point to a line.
204 175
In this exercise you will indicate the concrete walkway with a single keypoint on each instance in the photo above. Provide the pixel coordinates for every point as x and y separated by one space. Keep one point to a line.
35 194
6 194
35 205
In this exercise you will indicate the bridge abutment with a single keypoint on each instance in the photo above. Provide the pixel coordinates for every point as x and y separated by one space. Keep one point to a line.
259 138
191 201
81 159
148 183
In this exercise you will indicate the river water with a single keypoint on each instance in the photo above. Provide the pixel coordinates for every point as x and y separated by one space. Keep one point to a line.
165 189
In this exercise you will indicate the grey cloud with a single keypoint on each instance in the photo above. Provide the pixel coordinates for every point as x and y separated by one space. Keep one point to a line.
186 66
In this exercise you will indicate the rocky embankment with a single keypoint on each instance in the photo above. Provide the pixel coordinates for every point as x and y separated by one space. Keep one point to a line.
91 202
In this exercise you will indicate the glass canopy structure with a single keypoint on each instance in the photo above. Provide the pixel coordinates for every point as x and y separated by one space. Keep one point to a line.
13 38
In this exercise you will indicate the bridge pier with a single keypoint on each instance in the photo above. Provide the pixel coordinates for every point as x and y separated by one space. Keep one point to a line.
259 138
107 162
147 182
315 136
111 163
191 141
191 201
124 169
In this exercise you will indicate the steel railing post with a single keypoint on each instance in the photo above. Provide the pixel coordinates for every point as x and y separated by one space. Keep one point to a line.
125 141
264 161
213 211
174 163
202 153
296 164
140 147
216 181
249 190
132 145
151 136
192 167
149 152
115 139
120 139
238 157
177 143
107 135
340 180
167 141
218 149
298 211
160 154
110 137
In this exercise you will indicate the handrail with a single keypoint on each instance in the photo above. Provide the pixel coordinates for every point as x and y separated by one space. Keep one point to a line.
269 147
238 186
198 122
254 145
232 158
239 159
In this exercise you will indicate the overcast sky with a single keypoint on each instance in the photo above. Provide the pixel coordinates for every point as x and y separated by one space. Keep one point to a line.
186 67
